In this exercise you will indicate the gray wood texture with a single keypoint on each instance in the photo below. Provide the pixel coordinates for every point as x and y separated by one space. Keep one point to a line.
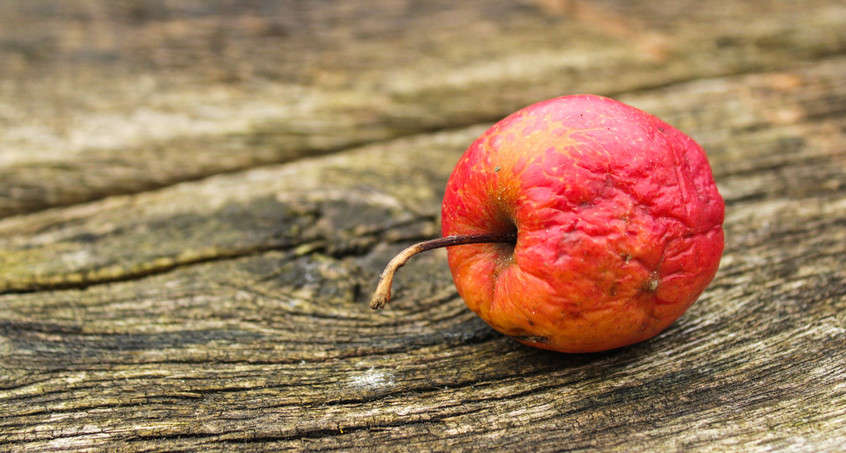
196 199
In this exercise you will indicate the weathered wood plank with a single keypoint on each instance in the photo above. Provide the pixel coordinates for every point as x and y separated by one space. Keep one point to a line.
746 122
99 98
231 312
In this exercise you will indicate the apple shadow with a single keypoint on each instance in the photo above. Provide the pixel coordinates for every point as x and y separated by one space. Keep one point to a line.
529 358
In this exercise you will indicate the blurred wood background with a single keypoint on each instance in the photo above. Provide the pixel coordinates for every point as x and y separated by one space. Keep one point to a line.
196 198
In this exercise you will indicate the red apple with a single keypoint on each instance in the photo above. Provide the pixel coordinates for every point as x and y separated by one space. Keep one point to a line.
585 224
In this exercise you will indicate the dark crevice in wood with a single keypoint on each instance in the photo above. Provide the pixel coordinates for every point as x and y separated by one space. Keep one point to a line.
316 433
302 154
821 57
223 255
337 251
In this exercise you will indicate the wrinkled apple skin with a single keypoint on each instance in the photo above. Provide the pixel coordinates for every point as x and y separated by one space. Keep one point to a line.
618 220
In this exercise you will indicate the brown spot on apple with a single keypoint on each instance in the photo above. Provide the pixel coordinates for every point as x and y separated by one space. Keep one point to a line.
651 285
531 338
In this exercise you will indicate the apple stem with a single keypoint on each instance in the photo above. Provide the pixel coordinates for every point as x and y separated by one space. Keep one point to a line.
383 290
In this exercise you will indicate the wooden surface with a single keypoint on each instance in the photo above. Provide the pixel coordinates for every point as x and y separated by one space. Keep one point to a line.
197 198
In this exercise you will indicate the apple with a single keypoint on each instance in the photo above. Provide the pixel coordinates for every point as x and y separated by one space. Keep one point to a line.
579 224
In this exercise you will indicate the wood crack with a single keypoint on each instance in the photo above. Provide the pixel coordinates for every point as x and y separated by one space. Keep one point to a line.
83 279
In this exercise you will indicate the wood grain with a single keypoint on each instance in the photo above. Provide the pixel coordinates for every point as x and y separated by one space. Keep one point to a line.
201 277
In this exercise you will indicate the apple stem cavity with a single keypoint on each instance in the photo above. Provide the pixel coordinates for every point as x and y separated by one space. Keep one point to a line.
383 290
